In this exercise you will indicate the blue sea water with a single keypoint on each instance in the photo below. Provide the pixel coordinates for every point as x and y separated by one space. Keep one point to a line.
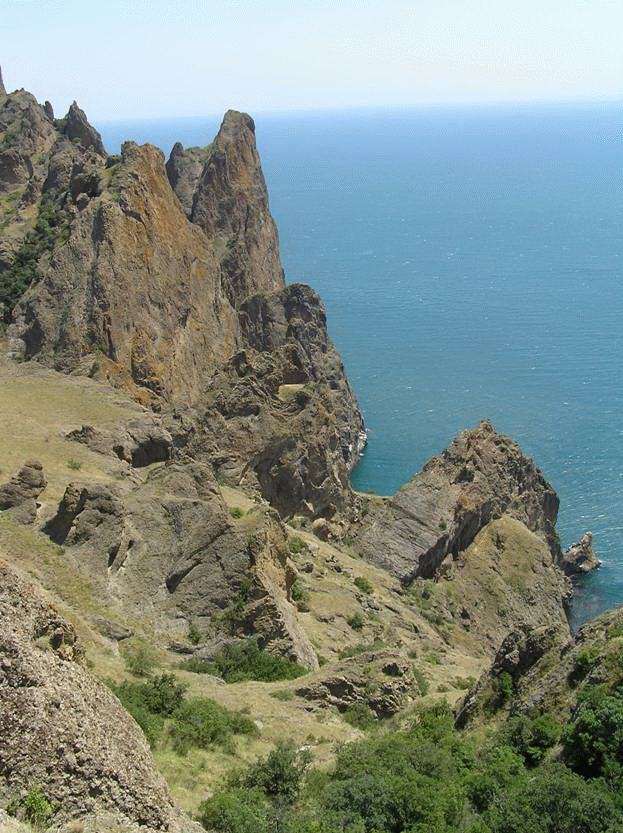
470 262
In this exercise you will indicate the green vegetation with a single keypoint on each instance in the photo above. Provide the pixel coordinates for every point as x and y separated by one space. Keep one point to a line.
50 227
74 464
355 621
33 808
296 545
202 722
299 593
139 658
159 704
194 634
360 716
363 584
246 661
236 512
430 778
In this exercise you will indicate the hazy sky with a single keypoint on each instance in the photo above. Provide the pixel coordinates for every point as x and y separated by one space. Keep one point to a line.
129 58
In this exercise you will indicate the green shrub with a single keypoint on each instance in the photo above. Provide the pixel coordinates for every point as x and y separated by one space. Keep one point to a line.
33 808
296 544
235 811
50 227
583 662
279 774
194 634
530 737
150 702
593 740
363 584
422 682
298 592
355 621
140 659
236 512
246 661
360 716
202 722
74 464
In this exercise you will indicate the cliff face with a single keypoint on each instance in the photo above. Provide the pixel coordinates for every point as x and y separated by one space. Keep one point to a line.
155 278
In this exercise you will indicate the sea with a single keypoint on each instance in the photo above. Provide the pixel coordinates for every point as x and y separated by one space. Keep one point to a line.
470 261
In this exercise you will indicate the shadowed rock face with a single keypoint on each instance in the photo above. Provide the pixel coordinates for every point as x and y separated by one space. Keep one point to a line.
281 415
19 495
479 477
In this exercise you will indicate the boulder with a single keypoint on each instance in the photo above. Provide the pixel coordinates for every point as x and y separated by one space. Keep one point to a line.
19 495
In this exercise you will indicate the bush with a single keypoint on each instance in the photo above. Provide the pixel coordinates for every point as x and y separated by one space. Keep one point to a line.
360 716
298 592
593 740
150 702
296 544
194 634
201 722
34 808
247 661
140 659
530 737
355 621
363 584
236 512
236 811
279 774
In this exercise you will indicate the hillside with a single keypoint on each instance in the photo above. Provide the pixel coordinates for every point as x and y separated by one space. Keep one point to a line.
179 537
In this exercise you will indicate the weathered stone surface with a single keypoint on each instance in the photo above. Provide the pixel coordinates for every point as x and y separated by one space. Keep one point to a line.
168 549
479 477
281 416
2 89
580 557
78 129
393 684
61 729
506 580
231 204
184 169
19 495
140 441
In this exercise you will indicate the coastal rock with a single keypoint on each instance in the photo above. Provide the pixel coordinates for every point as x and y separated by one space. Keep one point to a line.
61 729
140 442
78 129
168 550
479 477
19 495
231 205
2 89
580 558
281 416
184 169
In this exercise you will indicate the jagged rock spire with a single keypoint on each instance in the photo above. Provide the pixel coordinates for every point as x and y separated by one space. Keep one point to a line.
77 127
2 90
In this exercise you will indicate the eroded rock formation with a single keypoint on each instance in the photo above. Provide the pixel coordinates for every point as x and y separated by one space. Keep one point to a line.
63 730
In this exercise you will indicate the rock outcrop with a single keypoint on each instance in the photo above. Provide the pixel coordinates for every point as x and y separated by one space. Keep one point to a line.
168 552
61 729
19 495
281 416
579 558
547 671
166 281
393 687
478 478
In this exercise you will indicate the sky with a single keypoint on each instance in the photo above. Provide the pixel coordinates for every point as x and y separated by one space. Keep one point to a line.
123 59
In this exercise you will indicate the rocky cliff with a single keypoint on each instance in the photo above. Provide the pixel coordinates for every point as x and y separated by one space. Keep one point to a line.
166 280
